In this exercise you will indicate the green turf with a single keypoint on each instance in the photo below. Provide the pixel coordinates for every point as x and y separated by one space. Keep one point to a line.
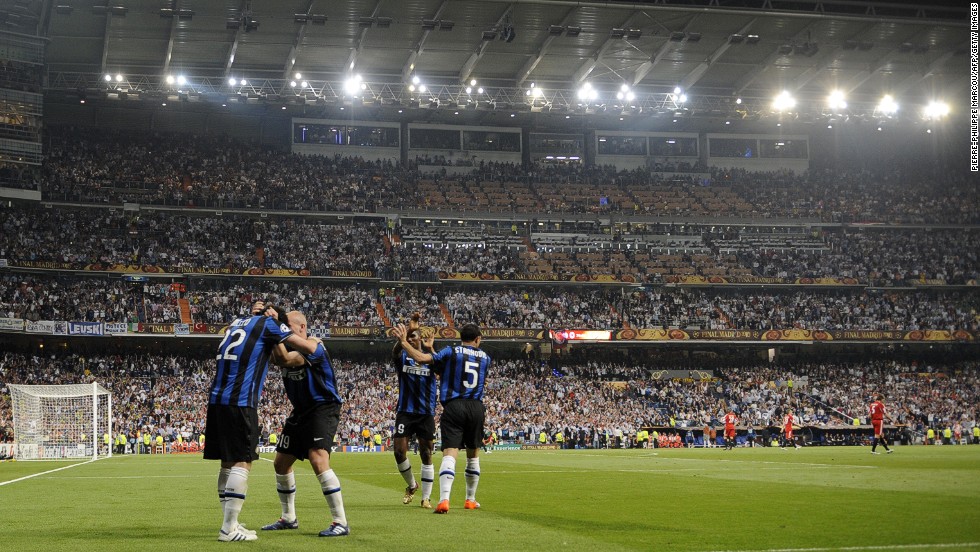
697 500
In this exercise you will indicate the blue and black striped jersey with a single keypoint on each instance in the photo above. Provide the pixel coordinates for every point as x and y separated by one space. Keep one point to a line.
313 383
416 386
463 372
243 360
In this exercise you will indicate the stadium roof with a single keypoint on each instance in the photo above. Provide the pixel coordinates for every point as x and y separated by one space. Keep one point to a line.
717 48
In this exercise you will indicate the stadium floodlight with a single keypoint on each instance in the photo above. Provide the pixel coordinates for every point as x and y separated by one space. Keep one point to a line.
352 85
836 100
243 83
738 101
181 80
43 428
936 110
472 82
469 89
784 101
292 84
587 93
299 76
170 79
479 90
108 78
119 77
421 88
232 82
887 105
416 79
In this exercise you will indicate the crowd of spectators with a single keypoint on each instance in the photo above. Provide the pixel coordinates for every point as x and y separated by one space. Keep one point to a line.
218 301
233 244
100 166
167 395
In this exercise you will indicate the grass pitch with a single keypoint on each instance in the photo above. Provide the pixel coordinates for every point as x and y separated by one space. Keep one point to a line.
839 498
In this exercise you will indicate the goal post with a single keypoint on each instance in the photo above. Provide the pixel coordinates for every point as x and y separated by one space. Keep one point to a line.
54 422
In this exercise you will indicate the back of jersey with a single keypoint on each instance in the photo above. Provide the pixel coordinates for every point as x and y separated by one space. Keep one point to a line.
464 372
243 360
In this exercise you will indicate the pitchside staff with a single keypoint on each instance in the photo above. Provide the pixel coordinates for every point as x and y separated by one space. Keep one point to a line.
462 372
232 420
311 387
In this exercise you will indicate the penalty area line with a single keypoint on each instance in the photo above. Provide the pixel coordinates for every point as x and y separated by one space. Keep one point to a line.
861 548
45 472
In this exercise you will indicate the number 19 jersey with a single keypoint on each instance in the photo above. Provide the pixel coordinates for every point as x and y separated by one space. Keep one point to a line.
463 372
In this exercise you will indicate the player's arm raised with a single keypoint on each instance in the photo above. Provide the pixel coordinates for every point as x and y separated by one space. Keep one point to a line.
286 359
401 332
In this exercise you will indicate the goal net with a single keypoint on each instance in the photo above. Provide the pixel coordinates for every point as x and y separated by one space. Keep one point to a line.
61 421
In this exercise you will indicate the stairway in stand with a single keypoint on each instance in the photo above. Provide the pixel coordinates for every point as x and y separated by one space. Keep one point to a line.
447 316
185 311
381 313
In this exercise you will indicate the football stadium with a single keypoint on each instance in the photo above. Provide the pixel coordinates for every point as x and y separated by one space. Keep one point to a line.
680 275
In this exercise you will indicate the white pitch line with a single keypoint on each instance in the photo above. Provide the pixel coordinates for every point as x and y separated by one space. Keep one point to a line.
45 473
873 547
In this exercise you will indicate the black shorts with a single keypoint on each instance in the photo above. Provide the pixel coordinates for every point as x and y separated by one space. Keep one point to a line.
313 429
462 424
422 426
231 433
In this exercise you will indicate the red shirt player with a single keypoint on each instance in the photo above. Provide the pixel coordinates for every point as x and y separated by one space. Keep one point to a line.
877 413
788 428
730 419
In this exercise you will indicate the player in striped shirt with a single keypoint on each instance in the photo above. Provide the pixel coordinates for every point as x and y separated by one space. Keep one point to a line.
311 387
232 419
415 413
462 372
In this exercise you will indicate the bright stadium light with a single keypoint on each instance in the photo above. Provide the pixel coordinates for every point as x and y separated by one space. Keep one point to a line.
936 110
181 80
416 79
170 79
292 84
783 102
469 89
887 105
243 83
479 90
836 100
586 92
232 82
108 78
119 78
299 76
352 85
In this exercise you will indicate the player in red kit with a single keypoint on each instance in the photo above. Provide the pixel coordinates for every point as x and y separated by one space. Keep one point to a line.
730 419
788 428
877 412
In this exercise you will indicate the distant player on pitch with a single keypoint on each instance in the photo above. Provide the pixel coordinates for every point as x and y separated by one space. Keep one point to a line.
311 386
878 415
462 371
416 413
730 419
788 429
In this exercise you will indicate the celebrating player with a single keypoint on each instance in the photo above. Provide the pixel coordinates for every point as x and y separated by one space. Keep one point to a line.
232 418
416 413
788 429
878 415
311 387
462 372
730 419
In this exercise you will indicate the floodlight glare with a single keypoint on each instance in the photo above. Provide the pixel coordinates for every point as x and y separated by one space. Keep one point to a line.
170 79
586 92
352 85
836 100
232 82
677 90
119 78
243 83
469 89
888 105
421 88
108 78
937 110
299 76
181 80
292 84
784 101
416 79
472 82
479 90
